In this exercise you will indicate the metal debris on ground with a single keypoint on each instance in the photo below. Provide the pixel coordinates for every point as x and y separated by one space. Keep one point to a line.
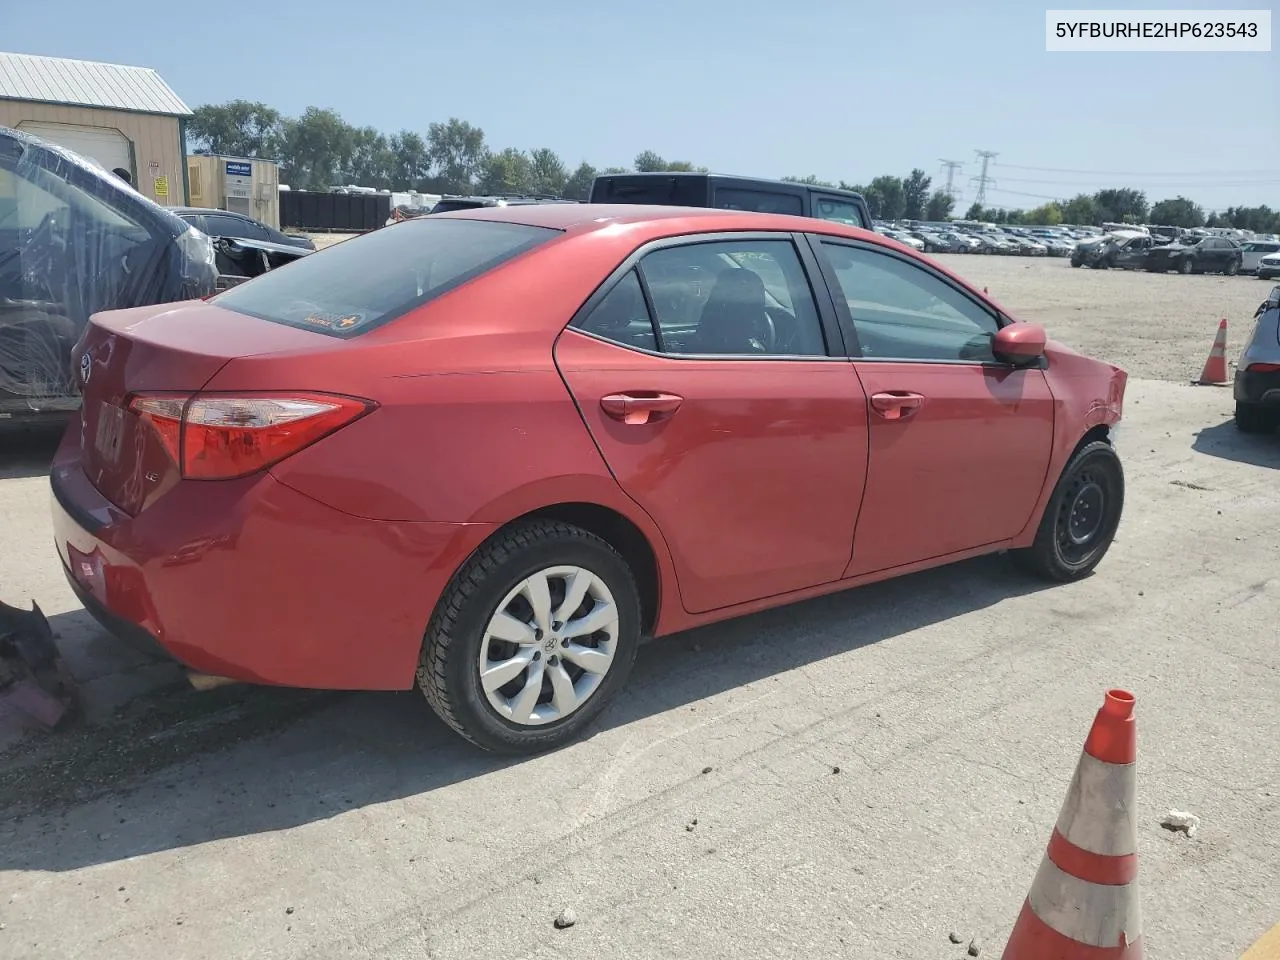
1179 822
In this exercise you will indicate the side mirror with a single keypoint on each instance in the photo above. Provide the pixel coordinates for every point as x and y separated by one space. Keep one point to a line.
1019 343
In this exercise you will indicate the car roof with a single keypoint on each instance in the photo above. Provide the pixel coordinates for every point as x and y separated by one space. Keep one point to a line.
584 217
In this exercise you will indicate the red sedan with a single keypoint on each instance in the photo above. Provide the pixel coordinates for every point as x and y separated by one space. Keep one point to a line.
486 452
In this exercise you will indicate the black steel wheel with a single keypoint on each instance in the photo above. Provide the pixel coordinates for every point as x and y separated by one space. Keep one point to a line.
1080 521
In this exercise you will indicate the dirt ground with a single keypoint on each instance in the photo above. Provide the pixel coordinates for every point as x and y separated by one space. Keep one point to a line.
1156 326
858 775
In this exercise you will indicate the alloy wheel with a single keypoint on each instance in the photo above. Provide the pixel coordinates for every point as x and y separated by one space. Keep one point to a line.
549 645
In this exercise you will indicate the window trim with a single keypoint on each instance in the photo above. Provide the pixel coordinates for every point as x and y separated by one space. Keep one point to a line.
816 241
833 337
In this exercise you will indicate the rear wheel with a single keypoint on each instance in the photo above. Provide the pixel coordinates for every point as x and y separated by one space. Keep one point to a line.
1255 418
532 637
1186 266
1232 268
1081 518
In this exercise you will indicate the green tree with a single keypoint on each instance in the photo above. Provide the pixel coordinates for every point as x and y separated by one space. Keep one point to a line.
411 160
1121 205
812 180
507 171
884 195
649 162
975 212
458 154
939 206
1047 215
371 162
240 128
578 186
316 149
915 195
1081 211
1178 212
548 174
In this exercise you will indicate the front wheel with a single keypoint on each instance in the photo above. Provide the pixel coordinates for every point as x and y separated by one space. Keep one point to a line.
1081 517
1186 266
1232 268
532 637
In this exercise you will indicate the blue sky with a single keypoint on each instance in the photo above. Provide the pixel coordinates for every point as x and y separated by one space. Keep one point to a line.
845 89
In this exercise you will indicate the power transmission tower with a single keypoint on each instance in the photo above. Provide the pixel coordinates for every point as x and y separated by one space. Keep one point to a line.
952 166
982 180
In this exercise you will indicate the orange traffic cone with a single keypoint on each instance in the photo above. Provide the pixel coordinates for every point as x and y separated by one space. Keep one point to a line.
1084 902
1215 368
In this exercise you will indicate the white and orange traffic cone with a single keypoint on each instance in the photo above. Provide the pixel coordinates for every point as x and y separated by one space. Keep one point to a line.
1084 903
1215 368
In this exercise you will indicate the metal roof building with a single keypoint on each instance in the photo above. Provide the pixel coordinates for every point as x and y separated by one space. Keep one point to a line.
120 117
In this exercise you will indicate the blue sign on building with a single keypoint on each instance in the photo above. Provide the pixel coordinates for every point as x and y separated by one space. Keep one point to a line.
238 168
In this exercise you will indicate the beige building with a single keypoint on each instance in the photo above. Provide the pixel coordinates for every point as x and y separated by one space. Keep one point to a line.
118 117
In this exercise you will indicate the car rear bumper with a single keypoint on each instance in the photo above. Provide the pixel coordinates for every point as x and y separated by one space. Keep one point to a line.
1254 386
251 580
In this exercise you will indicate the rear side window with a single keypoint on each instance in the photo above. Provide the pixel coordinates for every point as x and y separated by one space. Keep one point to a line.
760 201
837 209
363 283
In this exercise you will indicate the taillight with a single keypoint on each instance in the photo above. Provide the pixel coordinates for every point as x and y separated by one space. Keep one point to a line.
215 436
1263 367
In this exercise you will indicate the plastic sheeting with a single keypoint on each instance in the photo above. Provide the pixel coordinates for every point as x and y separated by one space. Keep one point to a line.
76 240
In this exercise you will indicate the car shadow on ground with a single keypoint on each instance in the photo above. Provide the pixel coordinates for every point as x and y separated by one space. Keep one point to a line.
175 769
1226 442
28 451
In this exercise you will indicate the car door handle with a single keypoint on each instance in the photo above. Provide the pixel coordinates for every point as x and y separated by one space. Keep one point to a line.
896 404
640 407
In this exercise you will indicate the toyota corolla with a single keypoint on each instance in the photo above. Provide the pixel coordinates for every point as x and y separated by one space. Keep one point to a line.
484 453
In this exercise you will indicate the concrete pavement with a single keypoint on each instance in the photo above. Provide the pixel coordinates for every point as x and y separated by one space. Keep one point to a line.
954 703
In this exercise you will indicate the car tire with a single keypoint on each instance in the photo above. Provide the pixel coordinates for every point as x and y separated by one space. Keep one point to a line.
1232 268
488 584
1186 266
1075 262
1255 418
1081 518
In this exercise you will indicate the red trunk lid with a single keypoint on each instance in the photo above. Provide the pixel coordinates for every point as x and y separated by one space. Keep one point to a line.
158 348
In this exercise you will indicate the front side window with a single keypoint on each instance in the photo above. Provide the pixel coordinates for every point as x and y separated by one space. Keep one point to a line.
355 286
901 311
733 297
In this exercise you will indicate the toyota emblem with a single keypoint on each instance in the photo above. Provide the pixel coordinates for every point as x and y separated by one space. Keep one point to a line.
86 368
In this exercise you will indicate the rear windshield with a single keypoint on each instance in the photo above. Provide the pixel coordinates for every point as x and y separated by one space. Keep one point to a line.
362 283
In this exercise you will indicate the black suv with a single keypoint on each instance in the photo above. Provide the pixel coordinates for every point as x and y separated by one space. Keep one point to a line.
733 193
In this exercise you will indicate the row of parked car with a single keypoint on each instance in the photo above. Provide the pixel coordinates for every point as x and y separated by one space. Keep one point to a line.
1188 253
1006 241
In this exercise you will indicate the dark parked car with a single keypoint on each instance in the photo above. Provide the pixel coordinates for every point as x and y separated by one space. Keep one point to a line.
1257 380
1197 255
733 193
224 223
1130 254
76 240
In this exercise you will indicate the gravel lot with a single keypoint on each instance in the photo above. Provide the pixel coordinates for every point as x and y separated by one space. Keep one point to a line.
288 824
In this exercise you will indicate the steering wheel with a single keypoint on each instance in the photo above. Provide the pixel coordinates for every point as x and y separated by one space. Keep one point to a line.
770 341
